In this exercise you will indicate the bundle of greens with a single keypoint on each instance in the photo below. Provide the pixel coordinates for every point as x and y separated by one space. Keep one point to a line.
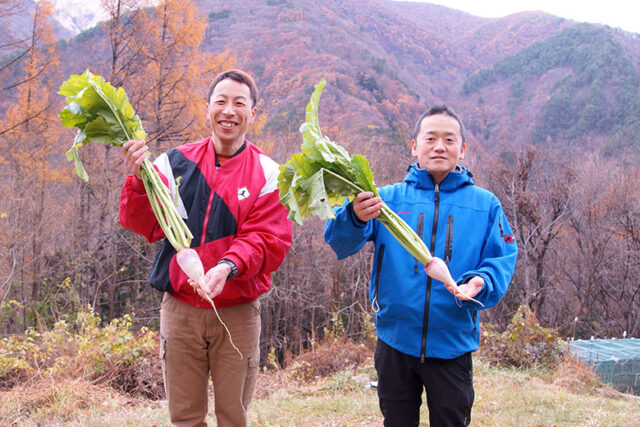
324 175
102 113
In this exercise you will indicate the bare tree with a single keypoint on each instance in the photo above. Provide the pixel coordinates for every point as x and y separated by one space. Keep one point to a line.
600 263
535 189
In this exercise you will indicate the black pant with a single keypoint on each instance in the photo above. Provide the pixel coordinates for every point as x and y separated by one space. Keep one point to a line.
401 378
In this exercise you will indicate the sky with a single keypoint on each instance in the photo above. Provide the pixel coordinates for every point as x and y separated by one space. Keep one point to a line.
623 14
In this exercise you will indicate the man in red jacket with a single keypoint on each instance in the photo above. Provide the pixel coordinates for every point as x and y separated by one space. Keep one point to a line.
226 191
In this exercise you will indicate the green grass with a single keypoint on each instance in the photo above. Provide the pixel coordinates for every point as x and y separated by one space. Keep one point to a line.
504 397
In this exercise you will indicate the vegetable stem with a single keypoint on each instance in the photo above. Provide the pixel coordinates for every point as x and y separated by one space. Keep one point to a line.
396 226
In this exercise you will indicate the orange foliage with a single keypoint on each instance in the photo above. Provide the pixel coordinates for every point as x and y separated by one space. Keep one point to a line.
175 74
290 15
30 144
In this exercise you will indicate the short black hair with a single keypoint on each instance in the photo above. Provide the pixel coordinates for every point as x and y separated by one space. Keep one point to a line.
238 76
434 111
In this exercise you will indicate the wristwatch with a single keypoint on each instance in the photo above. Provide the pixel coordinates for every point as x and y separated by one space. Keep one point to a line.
234 269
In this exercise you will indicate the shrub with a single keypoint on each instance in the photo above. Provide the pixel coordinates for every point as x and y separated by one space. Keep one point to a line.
328 359
113 355
523 344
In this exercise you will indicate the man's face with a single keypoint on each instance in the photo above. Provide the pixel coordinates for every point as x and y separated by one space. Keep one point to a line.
230 114
438 145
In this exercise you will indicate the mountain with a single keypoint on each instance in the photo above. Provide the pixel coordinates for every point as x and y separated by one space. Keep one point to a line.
526 78
78 15
548 79
485 39
16 24
381 70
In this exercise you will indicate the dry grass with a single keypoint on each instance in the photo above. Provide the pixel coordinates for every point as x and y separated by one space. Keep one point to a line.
76 403
51 402
568 396
516 397
578 378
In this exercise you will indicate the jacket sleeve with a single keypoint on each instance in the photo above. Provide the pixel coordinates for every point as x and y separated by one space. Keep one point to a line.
263 240
135 211
346 234
497 261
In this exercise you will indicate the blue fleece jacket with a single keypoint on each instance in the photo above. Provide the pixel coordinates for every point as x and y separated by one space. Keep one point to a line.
461 223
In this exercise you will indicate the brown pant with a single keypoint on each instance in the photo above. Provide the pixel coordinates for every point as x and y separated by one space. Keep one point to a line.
194 345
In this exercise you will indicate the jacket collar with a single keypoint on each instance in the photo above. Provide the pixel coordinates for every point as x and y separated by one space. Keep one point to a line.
212 151
422 178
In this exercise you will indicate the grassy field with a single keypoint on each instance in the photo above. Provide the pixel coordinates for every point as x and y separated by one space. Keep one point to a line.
504 397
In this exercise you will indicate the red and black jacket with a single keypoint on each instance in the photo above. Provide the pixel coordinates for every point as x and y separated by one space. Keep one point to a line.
233 212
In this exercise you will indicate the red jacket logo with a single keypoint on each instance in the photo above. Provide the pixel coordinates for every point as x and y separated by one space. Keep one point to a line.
243 193
509 238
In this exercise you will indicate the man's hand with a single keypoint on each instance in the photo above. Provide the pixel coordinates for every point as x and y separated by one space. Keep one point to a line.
215 280
366 207
134 153
471 288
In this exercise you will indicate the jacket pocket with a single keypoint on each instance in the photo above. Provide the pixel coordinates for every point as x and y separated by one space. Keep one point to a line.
448 244
250 381
475 321
374 302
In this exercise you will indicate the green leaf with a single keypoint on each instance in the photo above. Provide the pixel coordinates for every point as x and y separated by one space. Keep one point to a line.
71 119
363 173
323 174
316 194
72 156
100 112
99 130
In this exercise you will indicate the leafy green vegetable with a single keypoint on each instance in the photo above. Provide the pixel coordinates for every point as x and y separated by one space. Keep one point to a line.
103 114
100 112
324 175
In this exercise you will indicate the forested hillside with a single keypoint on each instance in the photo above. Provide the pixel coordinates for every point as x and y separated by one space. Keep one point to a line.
551 109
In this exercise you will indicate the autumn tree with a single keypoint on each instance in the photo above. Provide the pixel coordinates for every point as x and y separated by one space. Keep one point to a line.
100 259
26 47
315 297
173 74
29 140
9 41
124 30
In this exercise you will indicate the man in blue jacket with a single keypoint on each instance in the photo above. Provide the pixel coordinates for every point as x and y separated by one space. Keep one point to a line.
426 334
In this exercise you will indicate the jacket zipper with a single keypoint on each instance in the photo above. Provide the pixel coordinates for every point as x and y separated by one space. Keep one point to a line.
209 204
374 304
419 232
427 297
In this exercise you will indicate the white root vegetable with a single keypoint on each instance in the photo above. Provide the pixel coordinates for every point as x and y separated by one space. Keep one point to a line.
190 263
437 269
